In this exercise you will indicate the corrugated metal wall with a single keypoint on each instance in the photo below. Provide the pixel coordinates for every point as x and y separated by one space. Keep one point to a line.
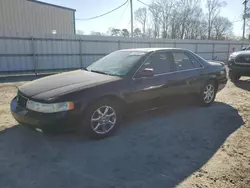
27 18
55 53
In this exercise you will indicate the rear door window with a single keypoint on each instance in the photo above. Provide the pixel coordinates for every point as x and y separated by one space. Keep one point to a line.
195 62
182 61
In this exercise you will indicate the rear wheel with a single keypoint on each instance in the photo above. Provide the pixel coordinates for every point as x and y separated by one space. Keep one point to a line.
208 93
233 76
101 119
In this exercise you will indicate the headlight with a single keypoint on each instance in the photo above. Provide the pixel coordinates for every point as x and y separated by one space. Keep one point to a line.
49 108
231 57
223 72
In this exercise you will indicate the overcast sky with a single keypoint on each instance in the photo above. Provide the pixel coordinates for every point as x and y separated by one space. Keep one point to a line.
121 18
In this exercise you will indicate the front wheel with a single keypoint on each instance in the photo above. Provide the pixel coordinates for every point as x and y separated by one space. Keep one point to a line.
208 93
233 77
101 119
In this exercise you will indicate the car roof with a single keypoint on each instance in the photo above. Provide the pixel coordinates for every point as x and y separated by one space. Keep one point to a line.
150 49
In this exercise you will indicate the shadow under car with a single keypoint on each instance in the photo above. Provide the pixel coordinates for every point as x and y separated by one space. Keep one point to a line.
154 149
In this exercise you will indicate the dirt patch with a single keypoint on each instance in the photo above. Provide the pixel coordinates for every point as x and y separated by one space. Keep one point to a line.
186 147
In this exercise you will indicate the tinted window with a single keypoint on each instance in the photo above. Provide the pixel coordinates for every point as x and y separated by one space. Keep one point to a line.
201 60
160 62
195 62
182 61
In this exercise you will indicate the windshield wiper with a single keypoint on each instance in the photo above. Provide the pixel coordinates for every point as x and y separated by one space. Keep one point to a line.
100 72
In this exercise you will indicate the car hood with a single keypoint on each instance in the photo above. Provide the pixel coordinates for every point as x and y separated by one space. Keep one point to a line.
216 63
246 52
63 83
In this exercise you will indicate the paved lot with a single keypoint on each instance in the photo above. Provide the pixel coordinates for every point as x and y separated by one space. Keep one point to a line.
183 146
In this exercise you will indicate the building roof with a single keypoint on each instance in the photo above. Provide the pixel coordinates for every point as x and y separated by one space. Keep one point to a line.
57 6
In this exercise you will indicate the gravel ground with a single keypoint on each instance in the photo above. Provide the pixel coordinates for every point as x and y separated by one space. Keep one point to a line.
187 146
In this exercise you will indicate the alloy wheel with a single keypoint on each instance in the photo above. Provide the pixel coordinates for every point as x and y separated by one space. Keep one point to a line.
103 120
208 93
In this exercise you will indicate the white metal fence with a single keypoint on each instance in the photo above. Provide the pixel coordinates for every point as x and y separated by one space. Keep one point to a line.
55 53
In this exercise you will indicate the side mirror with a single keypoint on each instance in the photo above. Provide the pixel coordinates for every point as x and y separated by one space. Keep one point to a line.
145 73
244 48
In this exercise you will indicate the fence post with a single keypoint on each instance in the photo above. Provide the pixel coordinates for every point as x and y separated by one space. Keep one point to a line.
80 48
34 55
228 50
119 44
213 52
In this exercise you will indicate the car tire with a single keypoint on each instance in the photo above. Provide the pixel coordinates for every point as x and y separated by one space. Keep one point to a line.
101 119
234 77
208 93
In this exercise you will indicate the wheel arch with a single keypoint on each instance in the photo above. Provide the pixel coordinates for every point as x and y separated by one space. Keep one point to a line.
112 97
212 79
216 82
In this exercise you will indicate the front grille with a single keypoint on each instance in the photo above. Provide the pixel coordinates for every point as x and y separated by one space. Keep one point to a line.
21 100
242 59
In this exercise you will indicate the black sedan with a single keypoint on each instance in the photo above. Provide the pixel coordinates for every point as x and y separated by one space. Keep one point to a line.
94 99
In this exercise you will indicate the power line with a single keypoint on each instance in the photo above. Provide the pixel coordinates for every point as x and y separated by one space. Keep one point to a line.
150 7
91 18
144 3
236 21
121 15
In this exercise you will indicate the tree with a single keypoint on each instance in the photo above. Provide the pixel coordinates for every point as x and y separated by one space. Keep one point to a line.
166 9
114 32
149 33
180 19
137 32
213 8
125 33
141 17
187 9
155 11
174 23
196 26
222 27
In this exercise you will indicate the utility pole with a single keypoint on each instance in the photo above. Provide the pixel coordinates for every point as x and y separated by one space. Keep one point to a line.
132 19
244 17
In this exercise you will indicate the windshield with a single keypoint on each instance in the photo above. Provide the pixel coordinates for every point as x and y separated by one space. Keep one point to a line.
118 63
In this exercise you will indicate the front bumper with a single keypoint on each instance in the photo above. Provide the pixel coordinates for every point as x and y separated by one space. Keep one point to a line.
62 121
243 70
